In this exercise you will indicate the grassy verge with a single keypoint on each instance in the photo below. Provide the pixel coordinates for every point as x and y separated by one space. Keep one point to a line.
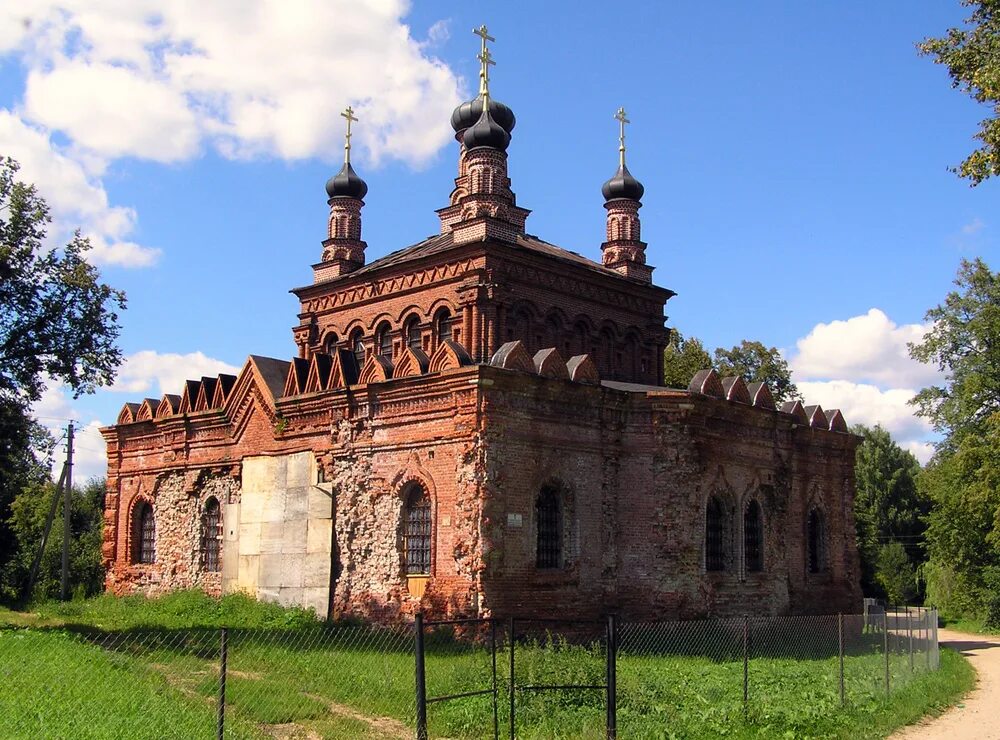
350 681
969 626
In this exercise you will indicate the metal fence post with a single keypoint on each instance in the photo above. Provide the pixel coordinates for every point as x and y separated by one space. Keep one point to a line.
612 660
493 649
220 725
420 677
840 653
909 633
885 649
746 665
511 678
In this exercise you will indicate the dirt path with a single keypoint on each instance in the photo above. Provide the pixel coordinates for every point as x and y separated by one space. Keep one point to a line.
977 717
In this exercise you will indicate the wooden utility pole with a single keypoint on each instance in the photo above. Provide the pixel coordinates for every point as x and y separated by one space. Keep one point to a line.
67 510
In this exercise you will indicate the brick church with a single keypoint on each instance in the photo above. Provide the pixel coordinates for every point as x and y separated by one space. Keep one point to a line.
477 425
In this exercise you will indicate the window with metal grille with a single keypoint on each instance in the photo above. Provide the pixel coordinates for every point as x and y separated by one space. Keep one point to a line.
145 534
816 541
358 347
715 535
442 325
417 532
211 536
548 514
384 342
413 333
753 538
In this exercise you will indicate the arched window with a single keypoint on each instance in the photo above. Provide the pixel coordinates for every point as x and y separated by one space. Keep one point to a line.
519 326
412 332
715 535
442 325
548 515
417 532
145 534
330 343
816 541
753 538
358 347
383 340
211 536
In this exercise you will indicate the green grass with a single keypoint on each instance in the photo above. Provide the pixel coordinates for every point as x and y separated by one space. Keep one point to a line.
970 626
64 678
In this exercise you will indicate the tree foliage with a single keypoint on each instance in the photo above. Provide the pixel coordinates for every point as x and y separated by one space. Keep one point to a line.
889 509
682 359
963 532
751 360
57 319
972 55
755 362
30 511
964 342
58 322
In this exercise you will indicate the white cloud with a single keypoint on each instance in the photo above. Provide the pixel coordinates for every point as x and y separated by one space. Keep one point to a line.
868 348
863 403
153 374
262 77
76 198
861 366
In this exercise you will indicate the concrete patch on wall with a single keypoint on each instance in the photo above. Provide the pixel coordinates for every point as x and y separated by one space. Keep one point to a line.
282 547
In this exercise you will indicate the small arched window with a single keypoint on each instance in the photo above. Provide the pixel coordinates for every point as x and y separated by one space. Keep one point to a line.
548 515
417 532
715 535
145 534
330 343
753 538
413 333
211 536
442 325
816 541
383 340
358 347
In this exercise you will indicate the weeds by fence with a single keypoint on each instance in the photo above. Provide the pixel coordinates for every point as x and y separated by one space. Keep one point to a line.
475 678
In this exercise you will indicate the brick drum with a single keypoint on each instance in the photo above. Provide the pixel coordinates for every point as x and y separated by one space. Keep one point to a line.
518 386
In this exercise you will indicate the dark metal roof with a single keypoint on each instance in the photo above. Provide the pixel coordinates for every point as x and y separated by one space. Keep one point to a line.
468 113
486 132
622 185
346 184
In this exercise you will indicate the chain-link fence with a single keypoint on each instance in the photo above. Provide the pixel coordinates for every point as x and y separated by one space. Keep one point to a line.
475 678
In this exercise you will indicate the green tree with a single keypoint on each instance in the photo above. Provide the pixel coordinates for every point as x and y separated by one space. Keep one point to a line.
29 513
972 55
895 573
755 362
682 359
58 322
889 508
963 342
963 528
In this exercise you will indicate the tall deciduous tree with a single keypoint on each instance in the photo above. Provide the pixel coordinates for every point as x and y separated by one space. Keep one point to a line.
888 508
964 342
972 55
753 361
58 322
682 359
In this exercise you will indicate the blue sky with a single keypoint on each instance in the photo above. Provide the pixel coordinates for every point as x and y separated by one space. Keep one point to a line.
794 156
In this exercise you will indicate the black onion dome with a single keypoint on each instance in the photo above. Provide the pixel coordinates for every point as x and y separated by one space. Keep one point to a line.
468 113
346 184
486 132
623 185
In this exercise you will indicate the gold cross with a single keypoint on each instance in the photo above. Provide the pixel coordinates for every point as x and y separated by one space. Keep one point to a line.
622 120
349 115
485 60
